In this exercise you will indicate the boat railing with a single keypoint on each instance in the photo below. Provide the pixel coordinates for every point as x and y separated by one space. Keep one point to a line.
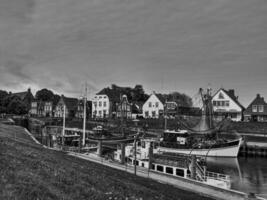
204 175
217 176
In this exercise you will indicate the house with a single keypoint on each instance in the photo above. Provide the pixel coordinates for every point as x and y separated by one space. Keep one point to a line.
80 109
104 103
124 108
41 108
257 110
226 105
26 97
154 106
70 104
47 109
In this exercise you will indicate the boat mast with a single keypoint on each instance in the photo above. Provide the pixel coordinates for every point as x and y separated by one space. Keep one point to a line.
64 124
84 114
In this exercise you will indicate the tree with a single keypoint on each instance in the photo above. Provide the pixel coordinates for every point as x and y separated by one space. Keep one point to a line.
15 106
44 95
3 95
139 93
181 99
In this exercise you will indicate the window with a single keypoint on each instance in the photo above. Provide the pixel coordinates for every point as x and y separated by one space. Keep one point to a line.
143 144
104 104
169 170
261 108
214 103
100 103
104 113
180 172
149 104
146 113
227 103
159 168
221 96
153 113
100 112
157 104
153 167
254 108
223 103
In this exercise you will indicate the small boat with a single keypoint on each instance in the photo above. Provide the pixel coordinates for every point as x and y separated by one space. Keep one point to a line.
202 140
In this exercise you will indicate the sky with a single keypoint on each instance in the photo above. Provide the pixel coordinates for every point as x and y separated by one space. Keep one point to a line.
165 45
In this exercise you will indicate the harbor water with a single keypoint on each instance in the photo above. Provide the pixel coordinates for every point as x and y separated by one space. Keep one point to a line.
248 174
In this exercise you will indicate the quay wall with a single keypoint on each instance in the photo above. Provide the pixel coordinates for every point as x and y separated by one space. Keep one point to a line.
179 182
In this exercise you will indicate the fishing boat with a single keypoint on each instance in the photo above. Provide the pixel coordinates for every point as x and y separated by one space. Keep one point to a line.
202 139
145 154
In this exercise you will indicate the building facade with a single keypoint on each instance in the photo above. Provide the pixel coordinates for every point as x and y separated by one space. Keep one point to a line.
101 106
80 109
70 107
124 108
257 110
226 105
26 97
153 107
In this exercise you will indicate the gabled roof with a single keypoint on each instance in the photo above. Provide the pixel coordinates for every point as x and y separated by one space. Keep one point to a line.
231 94
71 103
21 95
113 95
257 101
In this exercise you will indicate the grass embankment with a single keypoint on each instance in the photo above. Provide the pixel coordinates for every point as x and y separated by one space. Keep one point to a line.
29 171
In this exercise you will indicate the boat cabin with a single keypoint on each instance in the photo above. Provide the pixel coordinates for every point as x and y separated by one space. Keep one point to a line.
179 137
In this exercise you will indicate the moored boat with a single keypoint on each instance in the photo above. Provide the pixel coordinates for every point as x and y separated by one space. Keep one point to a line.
202 139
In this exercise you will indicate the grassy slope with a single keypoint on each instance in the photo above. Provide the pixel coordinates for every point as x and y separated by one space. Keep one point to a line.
31 172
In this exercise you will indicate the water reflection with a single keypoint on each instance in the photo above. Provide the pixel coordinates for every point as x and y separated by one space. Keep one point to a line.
247 174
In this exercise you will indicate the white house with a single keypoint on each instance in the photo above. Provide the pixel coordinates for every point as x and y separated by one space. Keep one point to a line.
226 105
153 107
101 106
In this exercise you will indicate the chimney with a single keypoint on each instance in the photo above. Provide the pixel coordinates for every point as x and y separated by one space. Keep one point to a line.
258 96
232 93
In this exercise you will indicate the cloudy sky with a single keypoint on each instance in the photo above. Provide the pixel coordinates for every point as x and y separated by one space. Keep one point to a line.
165 45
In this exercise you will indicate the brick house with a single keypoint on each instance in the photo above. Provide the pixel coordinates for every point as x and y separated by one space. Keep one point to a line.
124 108
257 110
70 104
26 97
42 108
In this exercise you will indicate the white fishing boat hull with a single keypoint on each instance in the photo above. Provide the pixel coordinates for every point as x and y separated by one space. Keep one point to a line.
228 151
